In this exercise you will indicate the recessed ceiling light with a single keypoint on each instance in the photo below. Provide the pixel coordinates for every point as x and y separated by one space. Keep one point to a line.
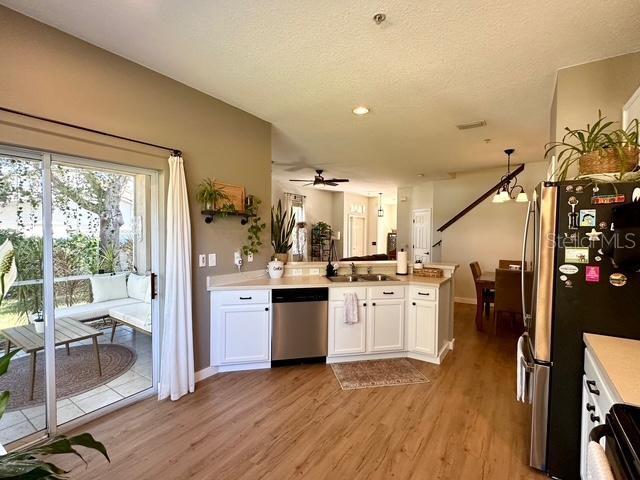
361 110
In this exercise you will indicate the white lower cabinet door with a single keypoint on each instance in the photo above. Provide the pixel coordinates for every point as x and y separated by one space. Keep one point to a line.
422 336
242 334
386 325
347 338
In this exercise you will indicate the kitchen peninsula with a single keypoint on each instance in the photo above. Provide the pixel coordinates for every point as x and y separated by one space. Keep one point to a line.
402 316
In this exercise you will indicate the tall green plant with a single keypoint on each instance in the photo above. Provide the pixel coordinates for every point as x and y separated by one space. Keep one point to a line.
282 225
32 463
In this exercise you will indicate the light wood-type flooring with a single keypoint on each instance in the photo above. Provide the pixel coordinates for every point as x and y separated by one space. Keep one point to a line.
296 422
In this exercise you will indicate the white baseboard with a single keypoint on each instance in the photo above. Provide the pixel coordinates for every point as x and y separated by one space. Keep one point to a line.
205 373
468 300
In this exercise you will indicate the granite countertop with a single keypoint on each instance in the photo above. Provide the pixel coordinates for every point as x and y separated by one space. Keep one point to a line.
618 359
319 281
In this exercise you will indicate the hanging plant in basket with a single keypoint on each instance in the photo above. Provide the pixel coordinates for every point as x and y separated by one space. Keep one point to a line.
598 149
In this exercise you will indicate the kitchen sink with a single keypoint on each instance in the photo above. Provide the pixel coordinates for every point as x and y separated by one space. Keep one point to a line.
345 278
373 277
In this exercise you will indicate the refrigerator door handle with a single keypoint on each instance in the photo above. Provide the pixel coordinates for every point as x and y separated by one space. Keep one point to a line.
525 315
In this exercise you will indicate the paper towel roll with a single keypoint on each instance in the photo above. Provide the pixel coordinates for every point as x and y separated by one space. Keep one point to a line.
401 268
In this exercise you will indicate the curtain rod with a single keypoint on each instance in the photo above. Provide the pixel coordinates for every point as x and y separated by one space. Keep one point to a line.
174 151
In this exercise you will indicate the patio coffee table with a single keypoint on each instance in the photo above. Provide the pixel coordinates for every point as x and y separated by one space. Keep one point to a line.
67 331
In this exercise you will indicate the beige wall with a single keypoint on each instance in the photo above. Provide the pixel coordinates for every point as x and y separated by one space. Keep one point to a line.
487 234
582 90
53 74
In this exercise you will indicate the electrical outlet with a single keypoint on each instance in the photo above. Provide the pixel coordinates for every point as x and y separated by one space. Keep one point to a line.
314 271
237 259
250 257
296 272
213 259
202 260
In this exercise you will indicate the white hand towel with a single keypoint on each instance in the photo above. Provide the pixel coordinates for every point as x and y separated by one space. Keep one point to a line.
522 387
350 308
597 464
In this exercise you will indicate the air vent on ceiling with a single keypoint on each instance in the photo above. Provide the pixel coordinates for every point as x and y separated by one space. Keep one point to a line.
467 126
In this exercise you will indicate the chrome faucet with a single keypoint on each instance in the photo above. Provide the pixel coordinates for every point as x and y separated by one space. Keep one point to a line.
354 270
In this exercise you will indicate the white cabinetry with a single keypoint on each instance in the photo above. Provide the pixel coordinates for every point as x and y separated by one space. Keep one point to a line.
241 329
347 338
385 322
422 326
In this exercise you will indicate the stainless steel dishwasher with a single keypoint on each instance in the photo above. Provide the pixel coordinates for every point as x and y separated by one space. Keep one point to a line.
299 325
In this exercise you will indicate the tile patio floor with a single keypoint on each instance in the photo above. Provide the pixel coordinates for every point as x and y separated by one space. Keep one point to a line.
19 423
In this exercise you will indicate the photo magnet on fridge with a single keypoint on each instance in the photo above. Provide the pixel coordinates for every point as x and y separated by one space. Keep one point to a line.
576 255
592 273
588 218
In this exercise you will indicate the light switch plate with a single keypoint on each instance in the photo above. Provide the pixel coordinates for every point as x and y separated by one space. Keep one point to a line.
202 260
213 259
314 271
250 257
296 272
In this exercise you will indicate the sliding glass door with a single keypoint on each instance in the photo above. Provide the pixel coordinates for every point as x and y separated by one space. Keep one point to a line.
99 255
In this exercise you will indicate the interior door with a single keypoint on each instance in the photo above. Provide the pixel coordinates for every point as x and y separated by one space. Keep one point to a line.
357 236
421 235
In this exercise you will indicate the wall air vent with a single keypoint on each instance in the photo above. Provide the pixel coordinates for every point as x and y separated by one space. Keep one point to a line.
467 126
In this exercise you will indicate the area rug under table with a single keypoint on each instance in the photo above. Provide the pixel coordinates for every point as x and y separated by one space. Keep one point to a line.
75 373
377 373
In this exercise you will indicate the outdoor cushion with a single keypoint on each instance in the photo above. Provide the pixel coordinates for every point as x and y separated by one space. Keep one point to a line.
89 311
137 315
108 287
139 287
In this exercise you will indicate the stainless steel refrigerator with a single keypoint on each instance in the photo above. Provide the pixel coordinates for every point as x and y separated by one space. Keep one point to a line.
577 288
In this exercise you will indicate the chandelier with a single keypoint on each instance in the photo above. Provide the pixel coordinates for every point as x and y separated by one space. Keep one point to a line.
509 188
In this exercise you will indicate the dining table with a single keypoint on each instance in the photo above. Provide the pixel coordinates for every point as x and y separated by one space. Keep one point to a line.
486 281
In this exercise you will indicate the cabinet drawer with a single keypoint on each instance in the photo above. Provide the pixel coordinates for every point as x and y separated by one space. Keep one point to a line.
338 293
424 293
383 293
604 399
241 297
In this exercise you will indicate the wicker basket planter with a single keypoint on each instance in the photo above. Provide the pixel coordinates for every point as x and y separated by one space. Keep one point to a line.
428 272
608 161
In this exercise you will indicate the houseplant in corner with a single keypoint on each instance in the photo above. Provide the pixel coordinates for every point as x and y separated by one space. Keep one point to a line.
602 152
31 462
282 225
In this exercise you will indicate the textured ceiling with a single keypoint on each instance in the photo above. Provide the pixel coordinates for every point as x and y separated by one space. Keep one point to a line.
304 64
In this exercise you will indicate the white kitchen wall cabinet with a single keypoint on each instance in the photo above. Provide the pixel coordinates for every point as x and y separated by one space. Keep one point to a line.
241 330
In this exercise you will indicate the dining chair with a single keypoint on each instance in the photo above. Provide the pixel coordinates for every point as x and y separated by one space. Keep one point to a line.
508 294
487 295
506 264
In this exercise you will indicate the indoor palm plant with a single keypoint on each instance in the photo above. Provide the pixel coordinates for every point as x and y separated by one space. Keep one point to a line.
599 149
282 225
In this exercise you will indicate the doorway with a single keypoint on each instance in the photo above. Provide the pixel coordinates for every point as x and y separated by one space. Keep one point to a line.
83 314
357 245
421 235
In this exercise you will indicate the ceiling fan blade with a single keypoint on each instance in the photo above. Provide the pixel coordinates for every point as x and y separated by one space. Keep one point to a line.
291 180
331 184
337 180
306 185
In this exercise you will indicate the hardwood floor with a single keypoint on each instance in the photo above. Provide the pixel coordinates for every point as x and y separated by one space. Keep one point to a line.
296 422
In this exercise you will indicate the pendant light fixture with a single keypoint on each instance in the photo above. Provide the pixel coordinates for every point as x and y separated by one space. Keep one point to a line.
380 209
510 189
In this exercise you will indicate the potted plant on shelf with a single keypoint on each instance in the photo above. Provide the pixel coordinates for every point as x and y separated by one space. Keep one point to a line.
601 151
209 195
282 225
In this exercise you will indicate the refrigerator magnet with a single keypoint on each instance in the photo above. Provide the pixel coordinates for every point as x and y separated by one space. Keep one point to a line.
603 225
588 218
594 235
618 279
576 255
568 269
607 199
564 278
592 273
579 189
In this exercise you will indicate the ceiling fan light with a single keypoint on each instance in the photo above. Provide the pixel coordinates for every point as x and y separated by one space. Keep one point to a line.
360 110
522 198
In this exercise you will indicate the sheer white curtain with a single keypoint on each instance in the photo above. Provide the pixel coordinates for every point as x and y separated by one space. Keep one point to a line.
177 376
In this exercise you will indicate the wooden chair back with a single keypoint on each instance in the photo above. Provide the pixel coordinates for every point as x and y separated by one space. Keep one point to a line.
509 290
475 270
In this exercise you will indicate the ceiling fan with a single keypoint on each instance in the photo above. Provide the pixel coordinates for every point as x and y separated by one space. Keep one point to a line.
320 180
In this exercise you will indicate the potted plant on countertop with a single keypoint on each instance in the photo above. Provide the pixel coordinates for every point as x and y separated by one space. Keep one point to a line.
603 153
282 225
